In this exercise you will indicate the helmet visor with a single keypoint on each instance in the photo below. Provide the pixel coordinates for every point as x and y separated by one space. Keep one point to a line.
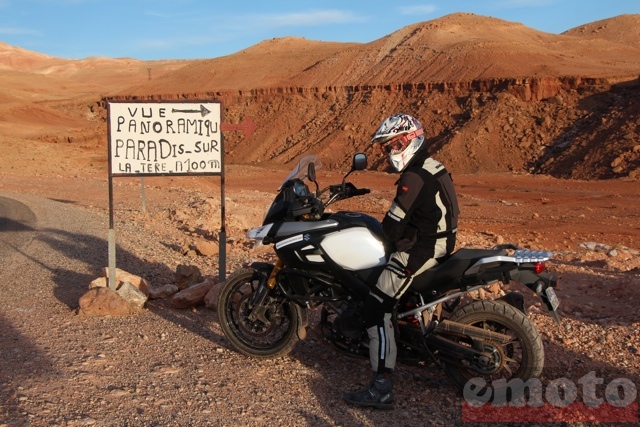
400 142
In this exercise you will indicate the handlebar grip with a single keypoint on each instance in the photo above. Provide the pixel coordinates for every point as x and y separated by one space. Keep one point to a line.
361 192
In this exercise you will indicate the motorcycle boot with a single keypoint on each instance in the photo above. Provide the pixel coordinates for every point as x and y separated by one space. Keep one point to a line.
378 394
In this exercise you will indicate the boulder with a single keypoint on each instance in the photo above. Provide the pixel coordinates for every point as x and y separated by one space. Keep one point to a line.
187 275
207 248
193 295
123 276
100 282
162 291
211 298
132 295
103 301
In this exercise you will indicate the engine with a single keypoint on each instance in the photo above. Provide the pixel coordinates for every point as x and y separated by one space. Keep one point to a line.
350 324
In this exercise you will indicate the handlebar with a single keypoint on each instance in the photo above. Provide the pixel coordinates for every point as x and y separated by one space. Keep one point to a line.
358 192
344 191
341 192
304 204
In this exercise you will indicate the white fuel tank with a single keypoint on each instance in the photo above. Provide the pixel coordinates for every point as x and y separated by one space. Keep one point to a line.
354 249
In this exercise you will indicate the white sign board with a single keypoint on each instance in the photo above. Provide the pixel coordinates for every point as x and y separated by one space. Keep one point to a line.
164 138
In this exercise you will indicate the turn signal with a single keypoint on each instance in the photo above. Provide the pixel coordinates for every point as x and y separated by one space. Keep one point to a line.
539 267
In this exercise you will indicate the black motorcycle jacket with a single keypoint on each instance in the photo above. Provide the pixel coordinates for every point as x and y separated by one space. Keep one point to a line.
424 210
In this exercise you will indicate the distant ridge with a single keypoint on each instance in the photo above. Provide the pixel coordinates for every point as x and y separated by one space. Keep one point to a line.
457 47
623 29
485 89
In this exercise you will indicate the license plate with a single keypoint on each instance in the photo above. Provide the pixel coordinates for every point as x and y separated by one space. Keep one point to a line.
552 297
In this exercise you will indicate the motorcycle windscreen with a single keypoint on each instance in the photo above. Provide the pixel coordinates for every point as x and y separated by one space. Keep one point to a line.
354 249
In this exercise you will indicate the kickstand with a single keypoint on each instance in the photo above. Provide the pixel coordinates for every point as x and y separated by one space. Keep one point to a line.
432 326
435 360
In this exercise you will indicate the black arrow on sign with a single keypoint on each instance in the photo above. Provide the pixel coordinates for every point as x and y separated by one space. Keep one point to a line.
202 111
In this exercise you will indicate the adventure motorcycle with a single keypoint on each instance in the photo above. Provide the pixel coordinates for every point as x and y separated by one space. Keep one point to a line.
333 259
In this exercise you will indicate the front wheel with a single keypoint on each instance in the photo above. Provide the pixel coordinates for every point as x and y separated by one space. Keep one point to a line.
506 366
272 334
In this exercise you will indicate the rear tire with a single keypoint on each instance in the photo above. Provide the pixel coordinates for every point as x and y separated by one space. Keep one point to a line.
516 362
255 338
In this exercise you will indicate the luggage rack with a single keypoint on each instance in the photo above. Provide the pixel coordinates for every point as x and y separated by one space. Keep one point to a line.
519 256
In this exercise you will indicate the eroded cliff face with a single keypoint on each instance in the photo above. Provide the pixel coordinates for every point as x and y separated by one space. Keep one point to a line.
572 127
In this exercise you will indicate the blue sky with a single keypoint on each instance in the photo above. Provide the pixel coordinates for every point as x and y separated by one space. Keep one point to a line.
192 29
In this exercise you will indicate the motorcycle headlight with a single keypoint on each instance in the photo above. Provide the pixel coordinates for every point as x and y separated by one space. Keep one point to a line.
300 189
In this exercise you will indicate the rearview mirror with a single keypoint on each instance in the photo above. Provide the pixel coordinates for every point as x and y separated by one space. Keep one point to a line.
359 162
311 172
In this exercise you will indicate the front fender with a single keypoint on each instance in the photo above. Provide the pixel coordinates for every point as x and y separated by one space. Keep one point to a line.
261 267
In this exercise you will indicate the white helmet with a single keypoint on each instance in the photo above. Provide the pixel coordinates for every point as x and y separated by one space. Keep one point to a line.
400 137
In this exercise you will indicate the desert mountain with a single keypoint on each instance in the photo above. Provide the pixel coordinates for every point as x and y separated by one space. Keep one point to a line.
493 95
458 47
269 63
16 58
89 75
468 47
623 29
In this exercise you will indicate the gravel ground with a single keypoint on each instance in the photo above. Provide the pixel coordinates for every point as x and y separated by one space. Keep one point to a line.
163 366
174 367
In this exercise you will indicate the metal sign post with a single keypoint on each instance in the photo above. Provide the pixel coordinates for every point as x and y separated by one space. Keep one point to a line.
162 139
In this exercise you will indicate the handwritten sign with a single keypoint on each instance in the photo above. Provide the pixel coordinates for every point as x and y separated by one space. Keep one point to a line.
167 138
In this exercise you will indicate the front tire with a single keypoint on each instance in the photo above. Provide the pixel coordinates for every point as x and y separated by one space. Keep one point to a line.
253 337
513 364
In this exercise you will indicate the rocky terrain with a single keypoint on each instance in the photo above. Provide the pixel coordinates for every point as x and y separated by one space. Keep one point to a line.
541 132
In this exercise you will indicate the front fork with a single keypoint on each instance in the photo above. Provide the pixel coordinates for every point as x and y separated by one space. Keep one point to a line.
258 306
271 282
265 286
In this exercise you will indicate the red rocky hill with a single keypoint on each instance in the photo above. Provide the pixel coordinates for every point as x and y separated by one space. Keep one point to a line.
493 95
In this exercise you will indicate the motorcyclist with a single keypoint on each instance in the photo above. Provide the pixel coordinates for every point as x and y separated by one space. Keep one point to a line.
422 222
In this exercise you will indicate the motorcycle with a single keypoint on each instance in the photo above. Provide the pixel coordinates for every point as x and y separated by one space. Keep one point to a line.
332 259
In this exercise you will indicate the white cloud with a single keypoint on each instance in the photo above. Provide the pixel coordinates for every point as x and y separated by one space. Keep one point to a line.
525 3
423 9
17 31
172 43
168 15
311 18
227 29
60 2
245 22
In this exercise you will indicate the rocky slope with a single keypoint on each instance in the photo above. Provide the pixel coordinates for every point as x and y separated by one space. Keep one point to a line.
493 95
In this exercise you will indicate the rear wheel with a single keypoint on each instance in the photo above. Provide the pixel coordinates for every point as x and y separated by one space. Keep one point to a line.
273 334
505 367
